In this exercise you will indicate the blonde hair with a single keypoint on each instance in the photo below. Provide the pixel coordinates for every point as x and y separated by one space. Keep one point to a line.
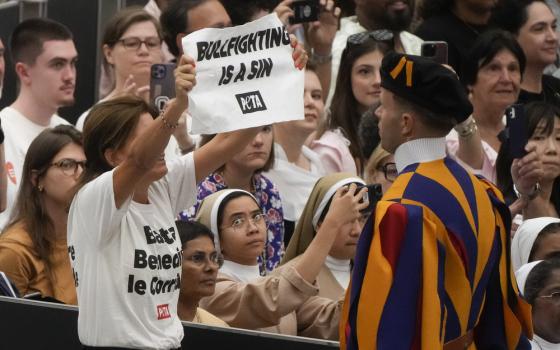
374 160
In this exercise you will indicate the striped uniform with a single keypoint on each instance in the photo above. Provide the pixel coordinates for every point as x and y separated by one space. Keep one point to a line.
431 265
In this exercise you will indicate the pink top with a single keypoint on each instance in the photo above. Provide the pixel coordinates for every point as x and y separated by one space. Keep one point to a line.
488 169
334 153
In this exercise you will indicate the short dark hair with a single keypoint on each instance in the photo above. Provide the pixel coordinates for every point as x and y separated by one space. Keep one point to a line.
174 21
550 229
511 15
485 48
538 278
27 40
439 123
431 8
189 230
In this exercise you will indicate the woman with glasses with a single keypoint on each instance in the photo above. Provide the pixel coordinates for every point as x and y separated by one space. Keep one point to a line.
381 168
334 276
245 171
539 282
283 302
358 87
33 249
201 262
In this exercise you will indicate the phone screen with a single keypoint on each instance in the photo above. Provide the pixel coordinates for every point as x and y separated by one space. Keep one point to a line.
162 84
517 129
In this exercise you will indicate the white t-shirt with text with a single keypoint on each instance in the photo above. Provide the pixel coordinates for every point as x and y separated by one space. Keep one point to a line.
19 133
127 261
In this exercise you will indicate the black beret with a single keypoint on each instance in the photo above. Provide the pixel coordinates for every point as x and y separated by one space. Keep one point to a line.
426 83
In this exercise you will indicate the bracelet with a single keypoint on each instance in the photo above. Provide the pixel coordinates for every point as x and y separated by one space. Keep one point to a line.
467 128
168 125
320 59
534 193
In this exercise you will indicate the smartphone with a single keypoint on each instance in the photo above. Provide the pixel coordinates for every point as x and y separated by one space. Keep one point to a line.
162 84
435 50
516 123
305 11
373 195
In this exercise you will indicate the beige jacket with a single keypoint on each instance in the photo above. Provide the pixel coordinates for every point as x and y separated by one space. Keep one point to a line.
326 282
280 303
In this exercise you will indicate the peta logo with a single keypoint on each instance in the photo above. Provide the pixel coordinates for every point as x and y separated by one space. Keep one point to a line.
250 102
163 311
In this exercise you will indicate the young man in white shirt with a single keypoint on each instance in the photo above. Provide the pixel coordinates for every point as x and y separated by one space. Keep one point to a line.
45 62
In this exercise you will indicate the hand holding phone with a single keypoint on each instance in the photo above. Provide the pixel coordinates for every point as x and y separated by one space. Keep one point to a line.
435 50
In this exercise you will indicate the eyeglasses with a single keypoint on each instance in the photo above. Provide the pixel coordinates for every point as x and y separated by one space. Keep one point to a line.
201 259
241 223
134 43
70 166
382 35
390 171
554 297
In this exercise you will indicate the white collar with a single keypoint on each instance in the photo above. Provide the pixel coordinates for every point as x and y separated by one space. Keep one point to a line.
419 151
337 264
543 344
239 272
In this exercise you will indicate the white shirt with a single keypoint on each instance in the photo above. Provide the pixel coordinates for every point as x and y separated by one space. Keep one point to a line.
419 151
348 26
539 343
294 183
340 270
127 261
239 272
19 133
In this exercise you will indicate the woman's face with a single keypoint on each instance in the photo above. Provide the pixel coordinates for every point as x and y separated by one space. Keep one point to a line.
314 107
198 278
128 60
61 177
344 245
366 79
548 246
498 82
159 169
242 231
256 153
538 36
546 311
548 147
378 175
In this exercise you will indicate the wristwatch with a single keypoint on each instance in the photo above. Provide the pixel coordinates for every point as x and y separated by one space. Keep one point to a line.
320 59
534 193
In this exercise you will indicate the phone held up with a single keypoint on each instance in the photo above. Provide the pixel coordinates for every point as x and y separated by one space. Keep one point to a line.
517 131
373 195
435 50
162 84
305 11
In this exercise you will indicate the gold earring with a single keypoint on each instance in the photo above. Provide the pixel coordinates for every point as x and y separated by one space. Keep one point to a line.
40 188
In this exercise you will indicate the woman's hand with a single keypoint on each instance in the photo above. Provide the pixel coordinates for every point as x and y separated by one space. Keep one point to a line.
185 80
527 171
300 55
346 206
321 33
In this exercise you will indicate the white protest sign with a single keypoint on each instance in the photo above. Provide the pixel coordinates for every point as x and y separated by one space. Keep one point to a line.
245 77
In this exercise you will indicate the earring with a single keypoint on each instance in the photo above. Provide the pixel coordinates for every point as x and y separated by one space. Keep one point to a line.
40 188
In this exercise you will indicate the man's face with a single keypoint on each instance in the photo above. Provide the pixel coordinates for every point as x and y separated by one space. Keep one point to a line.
209 14
52 78
2 66
389 115
388 14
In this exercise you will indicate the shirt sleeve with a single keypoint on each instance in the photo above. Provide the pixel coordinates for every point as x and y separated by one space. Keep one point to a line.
94 214
181 180
319 318
261 303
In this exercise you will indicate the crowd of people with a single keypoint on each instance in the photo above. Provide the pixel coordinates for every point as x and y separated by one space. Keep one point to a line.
279 228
